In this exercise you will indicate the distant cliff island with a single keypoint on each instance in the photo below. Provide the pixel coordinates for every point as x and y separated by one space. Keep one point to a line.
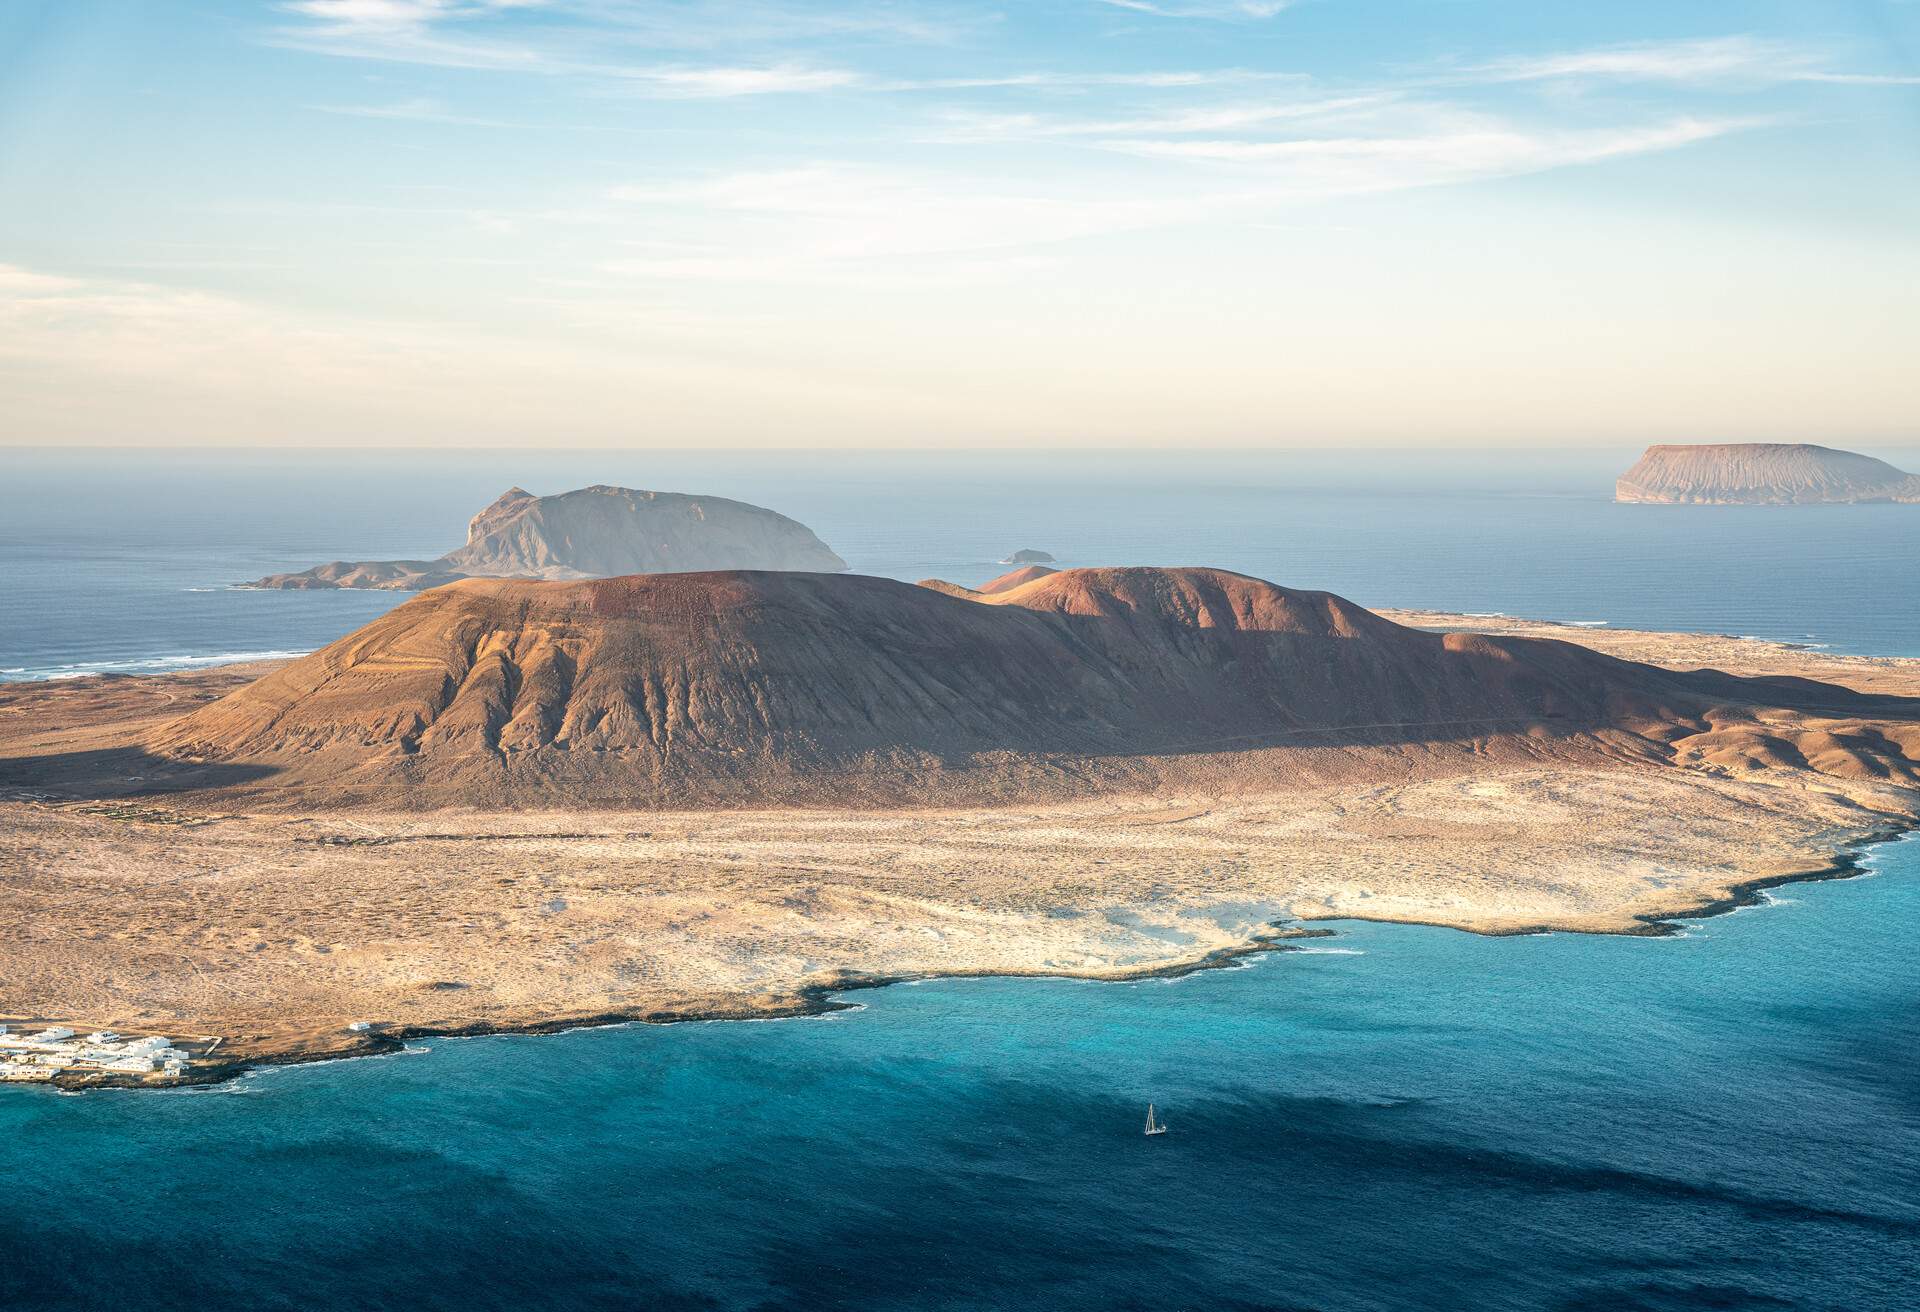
1762 474
595 532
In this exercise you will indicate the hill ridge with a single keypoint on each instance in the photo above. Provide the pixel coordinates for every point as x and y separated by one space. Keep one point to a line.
742 687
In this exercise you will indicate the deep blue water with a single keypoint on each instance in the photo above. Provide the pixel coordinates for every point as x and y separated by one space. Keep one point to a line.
1402 1118
122 560
1725 1120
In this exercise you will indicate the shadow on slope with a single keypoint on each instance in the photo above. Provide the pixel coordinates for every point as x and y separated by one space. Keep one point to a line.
109 773
688 688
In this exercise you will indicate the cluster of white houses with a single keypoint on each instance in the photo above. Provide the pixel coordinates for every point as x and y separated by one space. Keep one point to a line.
49 1052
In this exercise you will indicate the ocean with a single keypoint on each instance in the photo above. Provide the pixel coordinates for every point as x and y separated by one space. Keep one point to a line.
123 561
1397 1117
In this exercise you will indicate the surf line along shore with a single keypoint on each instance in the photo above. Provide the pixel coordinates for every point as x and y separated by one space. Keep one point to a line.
230 894
194 1063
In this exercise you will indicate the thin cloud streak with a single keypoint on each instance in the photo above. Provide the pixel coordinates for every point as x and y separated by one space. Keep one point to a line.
1703 62
1224 9
1327 166
825 222
419 110
83 355
576 37
974 126
579 34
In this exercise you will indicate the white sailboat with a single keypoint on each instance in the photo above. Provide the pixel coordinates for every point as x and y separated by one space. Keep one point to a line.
1153 1127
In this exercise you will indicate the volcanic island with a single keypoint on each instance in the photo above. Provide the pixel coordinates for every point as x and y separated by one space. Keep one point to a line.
1763 474
527 804
590 532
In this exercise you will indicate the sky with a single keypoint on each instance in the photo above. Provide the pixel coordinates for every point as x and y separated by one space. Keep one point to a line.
928 224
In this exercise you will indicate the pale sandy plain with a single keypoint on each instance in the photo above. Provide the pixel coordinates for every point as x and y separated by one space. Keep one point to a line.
275 931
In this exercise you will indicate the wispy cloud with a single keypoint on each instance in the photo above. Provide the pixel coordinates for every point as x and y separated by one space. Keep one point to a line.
1371 141
1173 80
87 357
710 24
982 126
827 222
119 327
417 110
18 285
622 45
386 15
834 213
418 42
603 38
1219 9
1861 79
1318 166
1195 145
766 45
1727 59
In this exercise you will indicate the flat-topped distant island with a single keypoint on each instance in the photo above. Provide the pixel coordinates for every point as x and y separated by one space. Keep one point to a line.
1763 474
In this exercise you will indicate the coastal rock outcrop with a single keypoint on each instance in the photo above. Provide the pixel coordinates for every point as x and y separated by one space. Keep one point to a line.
1028 556
744 687
594 532
1762 473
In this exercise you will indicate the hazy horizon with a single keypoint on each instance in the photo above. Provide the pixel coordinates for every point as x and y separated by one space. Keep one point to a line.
1078 224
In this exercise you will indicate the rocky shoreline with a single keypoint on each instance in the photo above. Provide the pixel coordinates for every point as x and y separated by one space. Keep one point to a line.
824 998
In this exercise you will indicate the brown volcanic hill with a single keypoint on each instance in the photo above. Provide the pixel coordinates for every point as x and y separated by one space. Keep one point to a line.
1015 578
594 532
1762 473
752 687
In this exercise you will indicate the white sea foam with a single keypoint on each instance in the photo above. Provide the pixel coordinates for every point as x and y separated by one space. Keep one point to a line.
1762 899
842 1013
1589 624
843 1010
1331 952
144 665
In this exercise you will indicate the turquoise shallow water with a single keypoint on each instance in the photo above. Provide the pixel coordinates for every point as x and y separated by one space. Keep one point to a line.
1401 1118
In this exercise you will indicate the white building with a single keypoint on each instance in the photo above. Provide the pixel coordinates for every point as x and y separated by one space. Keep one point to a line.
40 1056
